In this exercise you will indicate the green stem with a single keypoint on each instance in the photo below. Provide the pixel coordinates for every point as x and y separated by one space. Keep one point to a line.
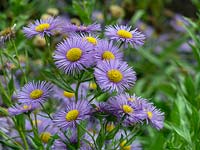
2 63
76 93
36 136
18 62
46 111
96 147
23 138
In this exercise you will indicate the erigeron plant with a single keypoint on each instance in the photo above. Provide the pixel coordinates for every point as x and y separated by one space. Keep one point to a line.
96 110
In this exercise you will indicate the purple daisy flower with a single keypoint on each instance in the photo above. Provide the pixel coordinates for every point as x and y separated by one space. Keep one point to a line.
120 106
41 27
73 114
125 34
178 23
90 38
35 92
114 75
82 28
73 55
107 51
154 116
22 108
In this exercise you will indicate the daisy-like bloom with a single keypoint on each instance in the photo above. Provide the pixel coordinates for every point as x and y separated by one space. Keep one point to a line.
154 116
35 92
73 114
178 23
125 34
114 75
107 51
46 132
7 34
82 28
120 106
41 27
90 38
73 55
22 108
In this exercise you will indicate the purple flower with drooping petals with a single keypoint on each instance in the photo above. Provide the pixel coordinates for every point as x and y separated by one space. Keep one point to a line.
120 106
125 34
82 28
22 108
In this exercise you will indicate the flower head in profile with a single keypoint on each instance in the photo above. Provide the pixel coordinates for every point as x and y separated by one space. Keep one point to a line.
154 116
90 38
178 22
7 34
22 108
82 28
114 75
73 55
125 34
73 114
41 27
106 50
35 92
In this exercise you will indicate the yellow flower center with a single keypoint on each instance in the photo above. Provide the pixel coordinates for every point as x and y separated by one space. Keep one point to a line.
123 147
92 85
35 94
72 115
68 94
127 109
107 55
149 114
91 40
124 34
110 127
179 23
114 75
45 136
74 54
26 107
42 27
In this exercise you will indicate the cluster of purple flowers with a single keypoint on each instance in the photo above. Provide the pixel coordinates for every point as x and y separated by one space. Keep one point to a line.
81 51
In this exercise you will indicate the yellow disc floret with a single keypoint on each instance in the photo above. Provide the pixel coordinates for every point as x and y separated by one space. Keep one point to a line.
45 136
42 27
107 55
74 54
91 40
26 107
149 114
114 75
127 109
123 147
35 94
92 85
68 94
124 34
72 115
110 127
